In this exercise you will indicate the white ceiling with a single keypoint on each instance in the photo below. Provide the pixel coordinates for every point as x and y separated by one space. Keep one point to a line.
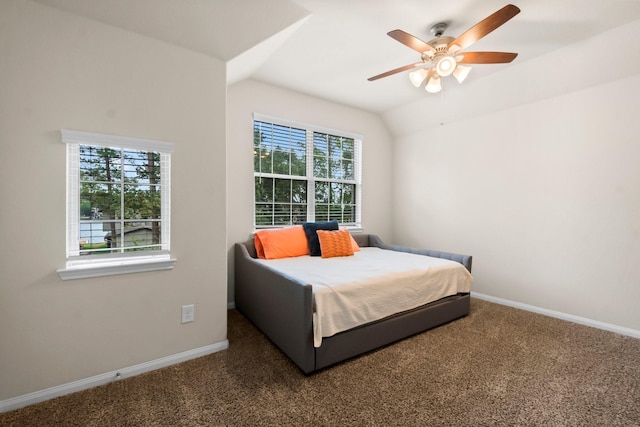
328 48
345 42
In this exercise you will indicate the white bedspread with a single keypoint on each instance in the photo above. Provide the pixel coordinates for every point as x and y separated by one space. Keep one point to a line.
372 284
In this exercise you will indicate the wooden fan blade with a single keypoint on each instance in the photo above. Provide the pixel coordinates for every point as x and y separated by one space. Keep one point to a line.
486 57
411 41
430 74
395 71
485 26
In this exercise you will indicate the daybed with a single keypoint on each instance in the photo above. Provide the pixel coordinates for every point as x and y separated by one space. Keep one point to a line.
282 308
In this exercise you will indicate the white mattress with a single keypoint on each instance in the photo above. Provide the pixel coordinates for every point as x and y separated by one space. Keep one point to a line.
372 284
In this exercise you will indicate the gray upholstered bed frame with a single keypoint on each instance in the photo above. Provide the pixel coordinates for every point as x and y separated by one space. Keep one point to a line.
281 307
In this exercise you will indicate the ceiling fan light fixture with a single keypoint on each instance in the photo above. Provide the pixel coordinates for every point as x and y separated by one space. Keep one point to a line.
461 72
417 77
445 66
433 85
443 54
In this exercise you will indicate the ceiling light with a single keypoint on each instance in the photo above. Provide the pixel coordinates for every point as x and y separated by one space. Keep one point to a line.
461 72
442 55
433 85
445 66
418 76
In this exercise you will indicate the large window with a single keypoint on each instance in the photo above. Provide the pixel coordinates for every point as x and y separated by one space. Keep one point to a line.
118 203
304 173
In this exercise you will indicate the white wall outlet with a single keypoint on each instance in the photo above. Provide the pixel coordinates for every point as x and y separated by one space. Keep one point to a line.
188 313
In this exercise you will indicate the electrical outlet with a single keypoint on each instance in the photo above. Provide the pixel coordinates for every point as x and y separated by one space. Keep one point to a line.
188 313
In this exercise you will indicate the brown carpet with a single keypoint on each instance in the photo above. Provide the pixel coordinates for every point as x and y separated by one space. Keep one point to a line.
499 366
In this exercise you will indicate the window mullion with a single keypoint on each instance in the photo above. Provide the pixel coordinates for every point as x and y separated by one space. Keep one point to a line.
311 184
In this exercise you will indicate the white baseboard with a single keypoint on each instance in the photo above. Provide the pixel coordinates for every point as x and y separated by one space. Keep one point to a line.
559 315
72 387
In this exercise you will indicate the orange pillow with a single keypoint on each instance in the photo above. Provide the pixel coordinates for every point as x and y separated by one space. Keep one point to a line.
354 244
335 243
281 243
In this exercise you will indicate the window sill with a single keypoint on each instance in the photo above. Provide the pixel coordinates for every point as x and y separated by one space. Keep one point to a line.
120 266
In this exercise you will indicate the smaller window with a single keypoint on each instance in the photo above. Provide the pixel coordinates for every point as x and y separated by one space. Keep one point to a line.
118 204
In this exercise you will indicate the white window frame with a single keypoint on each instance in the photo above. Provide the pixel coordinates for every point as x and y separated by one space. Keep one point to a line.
311 180
84 266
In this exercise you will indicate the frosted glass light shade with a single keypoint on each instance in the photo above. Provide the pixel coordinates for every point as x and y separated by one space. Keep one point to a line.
445 66
418 76
461 72
433 85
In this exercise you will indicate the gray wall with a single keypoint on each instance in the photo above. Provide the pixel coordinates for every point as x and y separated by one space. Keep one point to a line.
61 71
545 195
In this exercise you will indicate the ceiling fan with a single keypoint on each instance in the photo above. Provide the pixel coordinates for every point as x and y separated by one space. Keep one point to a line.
443 55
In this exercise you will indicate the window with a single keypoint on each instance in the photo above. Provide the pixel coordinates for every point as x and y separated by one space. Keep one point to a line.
118 204
304 173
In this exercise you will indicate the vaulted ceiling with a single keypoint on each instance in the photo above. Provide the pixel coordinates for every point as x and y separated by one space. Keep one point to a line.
328 48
